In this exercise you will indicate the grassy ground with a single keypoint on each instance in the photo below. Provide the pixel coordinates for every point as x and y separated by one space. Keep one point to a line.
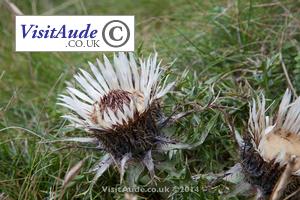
234 47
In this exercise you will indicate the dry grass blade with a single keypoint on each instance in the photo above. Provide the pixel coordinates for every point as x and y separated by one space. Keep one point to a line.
287 76
283 180
4 197
293 194
13 8
130 196
71 174
61 7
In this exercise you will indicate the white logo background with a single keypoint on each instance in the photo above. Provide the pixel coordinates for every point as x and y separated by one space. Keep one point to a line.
114 33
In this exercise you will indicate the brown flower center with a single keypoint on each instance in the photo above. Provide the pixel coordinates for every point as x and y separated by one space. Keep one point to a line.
114 100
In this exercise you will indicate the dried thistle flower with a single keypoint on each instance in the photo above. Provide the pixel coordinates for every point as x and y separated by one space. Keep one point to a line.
119 107
268 148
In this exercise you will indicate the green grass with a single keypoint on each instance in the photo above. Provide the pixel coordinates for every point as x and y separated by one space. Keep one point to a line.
235 48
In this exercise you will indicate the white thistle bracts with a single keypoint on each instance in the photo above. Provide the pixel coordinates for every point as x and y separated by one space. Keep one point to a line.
114 93
118 104
271 144
279 140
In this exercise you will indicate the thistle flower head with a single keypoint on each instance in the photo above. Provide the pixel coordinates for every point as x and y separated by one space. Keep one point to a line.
114 95
271 144
118 105
280 140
